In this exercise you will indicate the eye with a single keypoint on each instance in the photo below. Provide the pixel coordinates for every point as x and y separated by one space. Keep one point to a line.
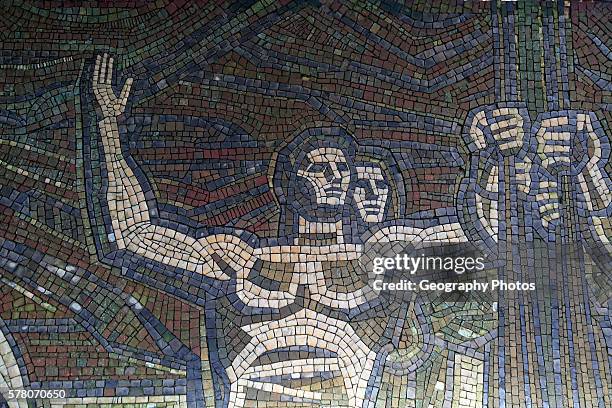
362 183
342 166
381 184
316 168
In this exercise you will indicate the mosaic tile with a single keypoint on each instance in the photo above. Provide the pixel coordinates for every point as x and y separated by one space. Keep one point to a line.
191 194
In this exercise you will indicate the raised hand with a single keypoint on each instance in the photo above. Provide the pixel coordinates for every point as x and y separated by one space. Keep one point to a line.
111 104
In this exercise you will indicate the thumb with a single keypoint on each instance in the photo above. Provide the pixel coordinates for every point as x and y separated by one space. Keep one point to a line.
125 92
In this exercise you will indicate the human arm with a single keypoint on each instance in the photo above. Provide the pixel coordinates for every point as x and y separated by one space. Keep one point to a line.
397 232
129 212
595 183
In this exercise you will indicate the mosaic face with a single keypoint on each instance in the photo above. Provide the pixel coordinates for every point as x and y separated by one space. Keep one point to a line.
328 173
371 193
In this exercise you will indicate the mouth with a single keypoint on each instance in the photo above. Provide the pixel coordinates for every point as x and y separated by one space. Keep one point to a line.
333 191
372 208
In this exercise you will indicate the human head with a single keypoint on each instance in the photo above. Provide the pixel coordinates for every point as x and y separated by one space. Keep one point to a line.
313 175
327 172
379 187
371 192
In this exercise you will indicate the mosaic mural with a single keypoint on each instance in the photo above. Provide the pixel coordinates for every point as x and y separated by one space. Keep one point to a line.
189 192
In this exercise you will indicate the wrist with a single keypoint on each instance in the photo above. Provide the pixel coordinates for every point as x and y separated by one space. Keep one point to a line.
109 131
108 119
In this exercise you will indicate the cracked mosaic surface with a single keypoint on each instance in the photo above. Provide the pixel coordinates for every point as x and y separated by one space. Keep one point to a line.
188 191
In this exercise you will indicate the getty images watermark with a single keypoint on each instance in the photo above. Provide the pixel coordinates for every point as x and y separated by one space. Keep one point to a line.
445 269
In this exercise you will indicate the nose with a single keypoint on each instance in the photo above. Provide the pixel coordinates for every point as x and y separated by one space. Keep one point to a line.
371 191
332 173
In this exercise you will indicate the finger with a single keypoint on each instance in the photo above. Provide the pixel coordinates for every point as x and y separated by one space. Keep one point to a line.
109 71
97 69
103 69
125 92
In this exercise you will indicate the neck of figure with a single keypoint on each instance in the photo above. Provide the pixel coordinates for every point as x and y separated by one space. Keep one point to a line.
319 232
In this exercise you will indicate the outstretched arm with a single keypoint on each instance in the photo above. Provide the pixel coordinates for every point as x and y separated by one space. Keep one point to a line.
444 233
128 209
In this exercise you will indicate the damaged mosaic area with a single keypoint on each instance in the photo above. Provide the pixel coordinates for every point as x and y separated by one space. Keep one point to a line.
188 191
